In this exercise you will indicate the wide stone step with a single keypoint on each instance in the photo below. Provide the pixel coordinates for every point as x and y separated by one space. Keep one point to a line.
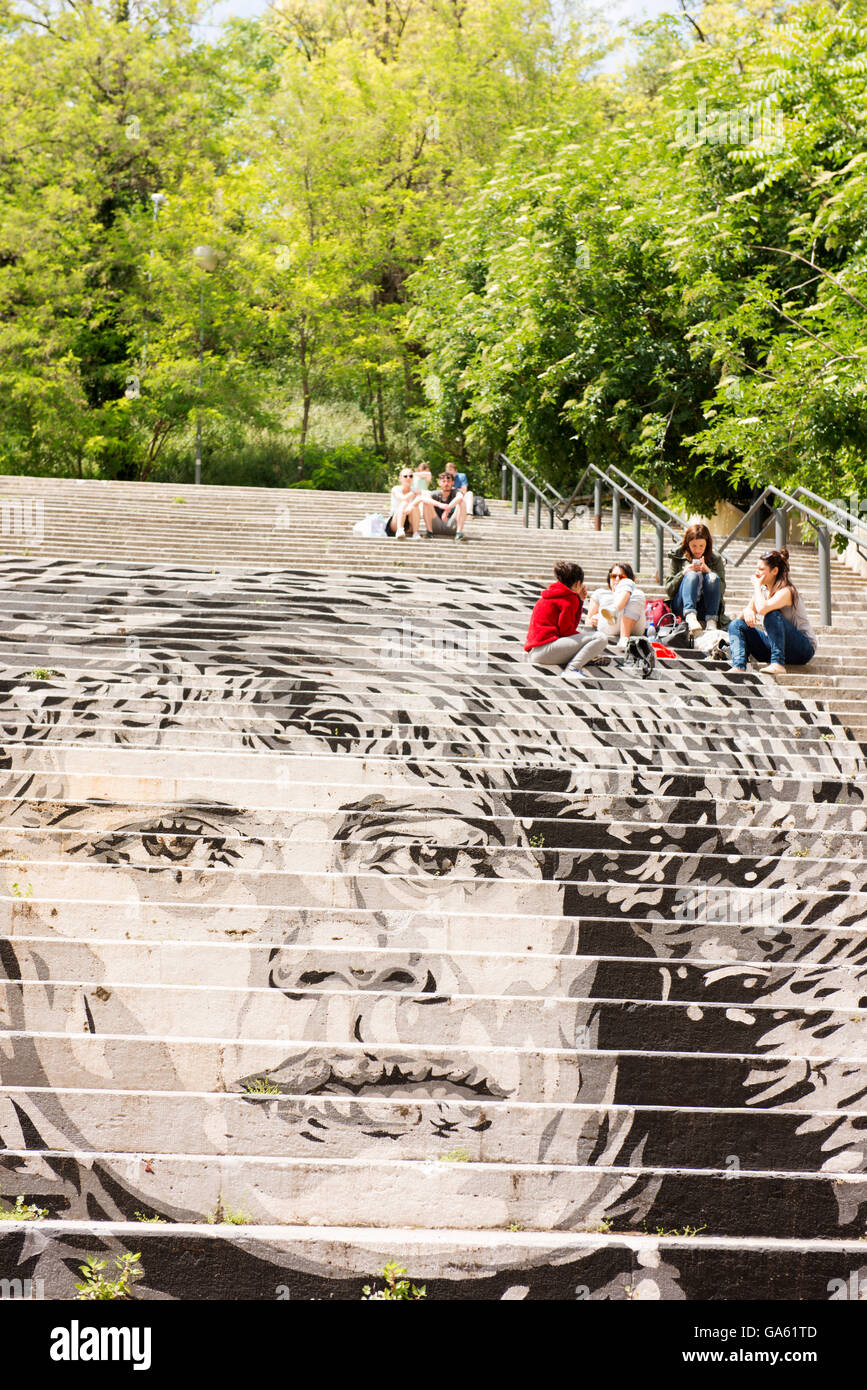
822 969
377 1192
425 855
805 1078
30 823
393 1016
679 899
415 860
305 1263
445 1130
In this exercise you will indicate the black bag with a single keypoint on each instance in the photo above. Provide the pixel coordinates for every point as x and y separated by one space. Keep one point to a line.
677 636
480 506
639 652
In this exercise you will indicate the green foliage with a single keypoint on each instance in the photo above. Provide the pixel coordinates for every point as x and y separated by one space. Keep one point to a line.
396 1288
41 673
261 1086
23 1211
96 1287
152 1220
224 1215
493 247
682 290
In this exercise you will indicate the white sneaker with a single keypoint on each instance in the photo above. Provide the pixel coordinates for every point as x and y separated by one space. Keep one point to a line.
416 535
775 669
576 674
692 621
711 625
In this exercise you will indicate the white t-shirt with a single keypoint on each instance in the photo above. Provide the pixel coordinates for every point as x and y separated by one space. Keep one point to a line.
609 598
399 498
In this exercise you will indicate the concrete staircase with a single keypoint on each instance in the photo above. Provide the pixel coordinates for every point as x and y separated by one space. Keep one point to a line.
323 913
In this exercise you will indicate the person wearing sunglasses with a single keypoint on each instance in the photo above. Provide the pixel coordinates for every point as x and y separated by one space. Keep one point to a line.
405 507
774 626
618 609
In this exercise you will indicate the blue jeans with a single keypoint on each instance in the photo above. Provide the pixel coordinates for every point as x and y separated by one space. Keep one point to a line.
699 594
781 642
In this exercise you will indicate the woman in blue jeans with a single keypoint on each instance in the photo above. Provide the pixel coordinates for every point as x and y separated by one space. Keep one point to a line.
774 626
696 580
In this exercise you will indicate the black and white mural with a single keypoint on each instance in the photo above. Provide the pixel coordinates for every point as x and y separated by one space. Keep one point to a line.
311 916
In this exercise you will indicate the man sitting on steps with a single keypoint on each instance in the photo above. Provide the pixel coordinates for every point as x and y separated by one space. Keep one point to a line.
445 511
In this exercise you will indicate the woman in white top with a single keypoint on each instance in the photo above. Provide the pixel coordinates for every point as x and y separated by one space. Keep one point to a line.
405 507
619 609
774 626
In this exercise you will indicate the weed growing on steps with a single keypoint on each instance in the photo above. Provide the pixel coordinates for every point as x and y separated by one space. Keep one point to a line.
455 1156
396 1287
42 673
97 1288
515 1226
223 1215
23 1211
22 892
261 1086
687 1231
537 841
149 1220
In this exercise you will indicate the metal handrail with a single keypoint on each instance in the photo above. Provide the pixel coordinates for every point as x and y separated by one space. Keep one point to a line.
824 528
679 520
529 485
639 505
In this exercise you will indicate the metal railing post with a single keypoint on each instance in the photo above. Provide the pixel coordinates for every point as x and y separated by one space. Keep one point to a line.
526 505
636 539
597 504
503 482
780 527
823 545
514 493
538 510
551 518
615 520
660 553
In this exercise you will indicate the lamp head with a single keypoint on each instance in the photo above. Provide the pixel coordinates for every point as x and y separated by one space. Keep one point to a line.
206 257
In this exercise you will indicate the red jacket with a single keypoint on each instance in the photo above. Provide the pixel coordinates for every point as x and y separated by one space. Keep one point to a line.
557 614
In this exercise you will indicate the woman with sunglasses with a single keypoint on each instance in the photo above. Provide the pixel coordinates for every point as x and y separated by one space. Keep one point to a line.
405 504
774 626
696 580
618 611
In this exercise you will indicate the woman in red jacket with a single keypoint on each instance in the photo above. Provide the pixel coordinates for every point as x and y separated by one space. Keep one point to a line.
553 638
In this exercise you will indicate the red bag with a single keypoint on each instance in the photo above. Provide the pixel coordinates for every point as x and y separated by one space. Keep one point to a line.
656 611
665 652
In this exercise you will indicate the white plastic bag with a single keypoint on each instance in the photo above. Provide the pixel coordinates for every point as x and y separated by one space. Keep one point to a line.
371 527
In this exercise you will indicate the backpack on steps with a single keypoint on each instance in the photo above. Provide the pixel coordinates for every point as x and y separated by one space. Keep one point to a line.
640 654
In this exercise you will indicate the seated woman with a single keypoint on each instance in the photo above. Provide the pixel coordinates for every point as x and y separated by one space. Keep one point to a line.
697 580
553 638
618 611
774 626
405 504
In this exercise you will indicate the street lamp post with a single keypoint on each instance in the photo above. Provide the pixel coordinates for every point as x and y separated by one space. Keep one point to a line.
206 259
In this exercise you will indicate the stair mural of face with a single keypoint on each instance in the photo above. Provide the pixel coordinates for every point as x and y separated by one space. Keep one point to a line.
322 913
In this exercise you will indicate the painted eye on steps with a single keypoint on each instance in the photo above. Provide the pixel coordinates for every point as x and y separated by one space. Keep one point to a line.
167 842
